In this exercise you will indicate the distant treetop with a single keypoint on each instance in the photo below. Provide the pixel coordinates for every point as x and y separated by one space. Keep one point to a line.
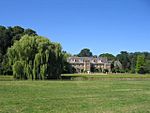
85 53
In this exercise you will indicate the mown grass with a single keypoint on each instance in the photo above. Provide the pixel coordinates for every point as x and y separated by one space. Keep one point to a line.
106 76
75 96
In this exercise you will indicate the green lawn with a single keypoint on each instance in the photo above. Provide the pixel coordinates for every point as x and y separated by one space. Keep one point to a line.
101 76
94 96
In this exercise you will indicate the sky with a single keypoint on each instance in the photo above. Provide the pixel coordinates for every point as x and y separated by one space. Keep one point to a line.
103 26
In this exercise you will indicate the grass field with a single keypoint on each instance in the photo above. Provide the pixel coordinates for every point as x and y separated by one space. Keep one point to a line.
102 76
96 96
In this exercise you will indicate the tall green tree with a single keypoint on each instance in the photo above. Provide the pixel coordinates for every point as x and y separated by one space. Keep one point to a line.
38 57
140 64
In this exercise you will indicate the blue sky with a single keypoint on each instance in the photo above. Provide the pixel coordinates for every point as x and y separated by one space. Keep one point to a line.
101 25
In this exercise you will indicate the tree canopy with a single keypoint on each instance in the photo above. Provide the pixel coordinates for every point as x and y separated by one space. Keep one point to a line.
108 56
8 36
35 57
85 53
123 57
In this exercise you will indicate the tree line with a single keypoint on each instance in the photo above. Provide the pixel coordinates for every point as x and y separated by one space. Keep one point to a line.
26 55
137 62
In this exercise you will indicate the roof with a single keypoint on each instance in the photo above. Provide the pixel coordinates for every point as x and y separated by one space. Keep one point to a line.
90 59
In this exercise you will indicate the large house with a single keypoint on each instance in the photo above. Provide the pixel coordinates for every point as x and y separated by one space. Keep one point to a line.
89 64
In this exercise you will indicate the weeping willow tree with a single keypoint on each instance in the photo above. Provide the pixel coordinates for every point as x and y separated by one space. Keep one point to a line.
35 57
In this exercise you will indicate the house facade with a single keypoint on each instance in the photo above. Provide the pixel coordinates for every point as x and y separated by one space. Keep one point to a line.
89 64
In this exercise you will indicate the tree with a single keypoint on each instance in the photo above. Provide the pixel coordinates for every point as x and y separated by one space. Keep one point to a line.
16 32
140 64
147 66
8 36
108 56
35 57
123 57
67 68
85 53
133 59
